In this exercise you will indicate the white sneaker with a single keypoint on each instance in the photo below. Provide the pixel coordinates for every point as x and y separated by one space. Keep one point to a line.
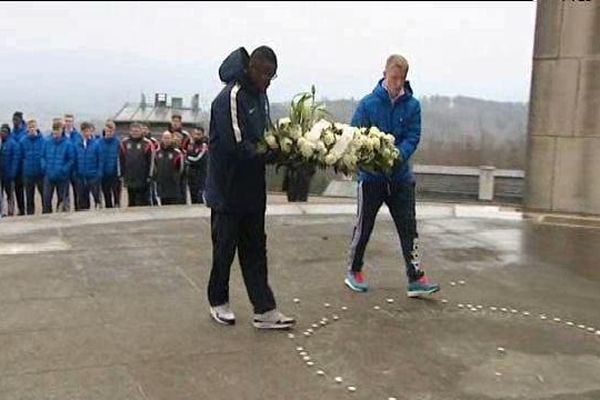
273 320
223 314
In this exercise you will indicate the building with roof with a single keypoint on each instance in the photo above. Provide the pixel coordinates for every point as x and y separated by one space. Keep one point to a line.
158 114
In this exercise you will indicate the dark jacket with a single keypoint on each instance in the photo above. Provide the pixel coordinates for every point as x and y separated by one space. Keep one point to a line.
239 115
169 167
58 159
137 161
31 151
401 119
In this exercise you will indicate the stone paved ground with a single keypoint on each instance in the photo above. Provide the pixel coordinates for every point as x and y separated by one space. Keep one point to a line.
111 306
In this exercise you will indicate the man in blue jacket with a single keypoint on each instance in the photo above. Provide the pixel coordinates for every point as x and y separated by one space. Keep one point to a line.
57 164
19 132
11 155
236 188
391 108
88 169
111 174
32 146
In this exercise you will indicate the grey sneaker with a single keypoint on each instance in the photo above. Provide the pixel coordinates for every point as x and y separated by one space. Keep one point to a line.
223 314
273 320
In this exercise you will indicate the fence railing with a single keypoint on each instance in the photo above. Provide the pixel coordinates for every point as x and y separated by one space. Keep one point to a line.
484 183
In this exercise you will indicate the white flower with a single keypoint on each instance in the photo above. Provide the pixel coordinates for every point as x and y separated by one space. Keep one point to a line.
375 143
295 132
328 138
271 141
315 132
331 158
306 150
286 145
389 138
283 122
321 148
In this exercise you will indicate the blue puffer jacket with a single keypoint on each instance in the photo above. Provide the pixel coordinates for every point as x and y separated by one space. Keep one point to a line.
20 132
11 154
75 139
109 151
57 159
402 119
239 116
31 150
89 159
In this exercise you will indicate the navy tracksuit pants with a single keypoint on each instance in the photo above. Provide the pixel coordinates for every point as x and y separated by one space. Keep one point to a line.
400 199
244 232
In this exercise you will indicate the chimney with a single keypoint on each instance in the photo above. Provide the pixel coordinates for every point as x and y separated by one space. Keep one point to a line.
196 102
177 102
143 102
160 100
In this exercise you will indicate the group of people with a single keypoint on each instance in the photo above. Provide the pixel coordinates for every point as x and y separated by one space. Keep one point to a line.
94 167
236 187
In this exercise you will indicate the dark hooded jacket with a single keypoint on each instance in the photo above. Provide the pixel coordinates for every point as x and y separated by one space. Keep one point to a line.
239 117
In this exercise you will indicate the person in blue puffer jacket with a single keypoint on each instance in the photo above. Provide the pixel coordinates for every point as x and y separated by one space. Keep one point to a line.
11 154
88 170
32 146
111 173
57 164
18 132
391 108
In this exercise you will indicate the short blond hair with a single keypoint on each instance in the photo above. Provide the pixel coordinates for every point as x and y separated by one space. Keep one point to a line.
31 121
396 60
109 124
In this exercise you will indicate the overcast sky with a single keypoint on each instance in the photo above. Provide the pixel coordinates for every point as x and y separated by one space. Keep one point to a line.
103 54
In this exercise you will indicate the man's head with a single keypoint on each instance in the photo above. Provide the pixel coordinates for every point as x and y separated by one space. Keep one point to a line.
109 129
396 69
32 127
57 127
135 130
4 130
87 130
176 122
198 132
17 119
69 122
262 68
167 139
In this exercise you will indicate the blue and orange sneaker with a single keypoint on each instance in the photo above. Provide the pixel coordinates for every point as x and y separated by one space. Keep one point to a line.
422 287
355 280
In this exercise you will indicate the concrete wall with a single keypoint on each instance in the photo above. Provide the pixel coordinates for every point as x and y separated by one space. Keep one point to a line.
563 163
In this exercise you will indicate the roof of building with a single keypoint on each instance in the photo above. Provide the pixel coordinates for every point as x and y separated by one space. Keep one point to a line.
149 113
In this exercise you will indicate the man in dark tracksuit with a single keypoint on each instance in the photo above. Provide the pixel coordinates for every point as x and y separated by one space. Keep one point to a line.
392 109
11 160
236 187
196 156
169 166
137 162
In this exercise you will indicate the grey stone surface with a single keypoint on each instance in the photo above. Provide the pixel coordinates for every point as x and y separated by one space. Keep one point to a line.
553 97
128 318
577 166
588 118
564 104
547 29
540 172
